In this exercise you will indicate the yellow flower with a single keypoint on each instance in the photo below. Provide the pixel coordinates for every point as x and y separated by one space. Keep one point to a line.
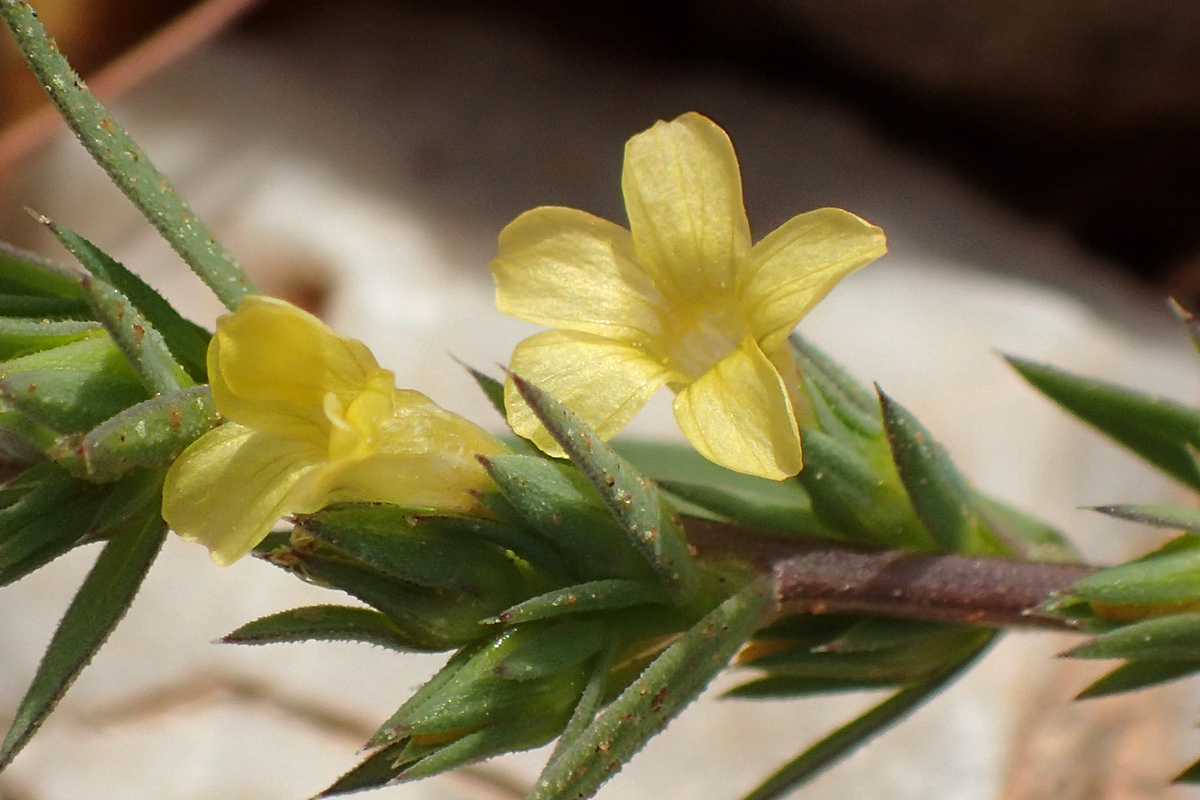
680 300
313 420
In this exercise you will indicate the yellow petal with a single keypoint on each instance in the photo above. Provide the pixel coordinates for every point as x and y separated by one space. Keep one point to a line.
426 457
738 414
683 195
271 366
605 382
231 485
793 268
568 269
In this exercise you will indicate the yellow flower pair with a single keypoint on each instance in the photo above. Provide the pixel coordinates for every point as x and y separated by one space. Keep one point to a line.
682 300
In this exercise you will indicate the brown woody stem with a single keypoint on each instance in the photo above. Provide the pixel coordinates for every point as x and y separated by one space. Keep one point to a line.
829 578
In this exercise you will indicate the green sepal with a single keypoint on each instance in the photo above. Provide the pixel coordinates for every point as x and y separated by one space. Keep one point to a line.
1136 675
187 341
848 738
101 602
72 388
326 623
417 551
940 494
853 404
24 274
1186 519
554 650
526 545
137 339
765 510
1170 574
1027 537
848 496
432 619
591 700
124 162
150 434
20 337
1174 637
52 517
906 662
583 598
379 769
635 502
1162 432
478 694
665 687
560 503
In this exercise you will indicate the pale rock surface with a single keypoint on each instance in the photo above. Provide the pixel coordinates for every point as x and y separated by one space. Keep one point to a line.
386 172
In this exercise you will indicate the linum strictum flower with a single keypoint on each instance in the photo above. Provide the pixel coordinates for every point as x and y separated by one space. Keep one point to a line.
681 299
313 420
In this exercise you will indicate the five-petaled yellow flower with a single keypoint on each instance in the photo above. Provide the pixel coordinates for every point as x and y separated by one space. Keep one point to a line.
312 420
680 299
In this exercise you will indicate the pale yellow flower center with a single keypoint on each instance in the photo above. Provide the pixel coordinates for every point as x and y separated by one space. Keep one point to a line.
353 431
703 332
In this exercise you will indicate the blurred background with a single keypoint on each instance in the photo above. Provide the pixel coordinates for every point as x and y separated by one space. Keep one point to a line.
1034 163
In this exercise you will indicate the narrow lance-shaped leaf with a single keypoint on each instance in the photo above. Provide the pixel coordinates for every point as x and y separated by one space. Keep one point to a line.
117 154
1160 431
1186 519
939 493
325 623
853 735
19 336
101 602
23 273
187 341
633 499
138 340
666 686
582 598
52 518
1137 675
1171 574
852 403
1176 636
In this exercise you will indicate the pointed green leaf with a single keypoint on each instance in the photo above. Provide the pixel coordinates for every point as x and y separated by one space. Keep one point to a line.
906 662
590 701
634 500
41 437
26 274
1136 675
188 342
12 305
138 340
380 769
555 649
127 498
877 633
1172 637
1189 775
150 434
853 735
52 518
850 498
101 602
561 504
1171 574
854 405
1186 519
671 681
1029 538
1160 431
394 729
514 537
117 154
940 494
328 624
759 510
491 388
19 337
583 598
386 538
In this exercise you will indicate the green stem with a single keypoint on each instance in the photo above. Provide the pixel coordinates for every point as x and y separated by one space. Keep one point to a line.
117 154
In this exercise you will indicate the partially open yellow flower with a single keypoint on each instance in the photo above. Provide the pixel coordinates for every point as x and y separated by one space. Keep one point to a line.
313 421
680 300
